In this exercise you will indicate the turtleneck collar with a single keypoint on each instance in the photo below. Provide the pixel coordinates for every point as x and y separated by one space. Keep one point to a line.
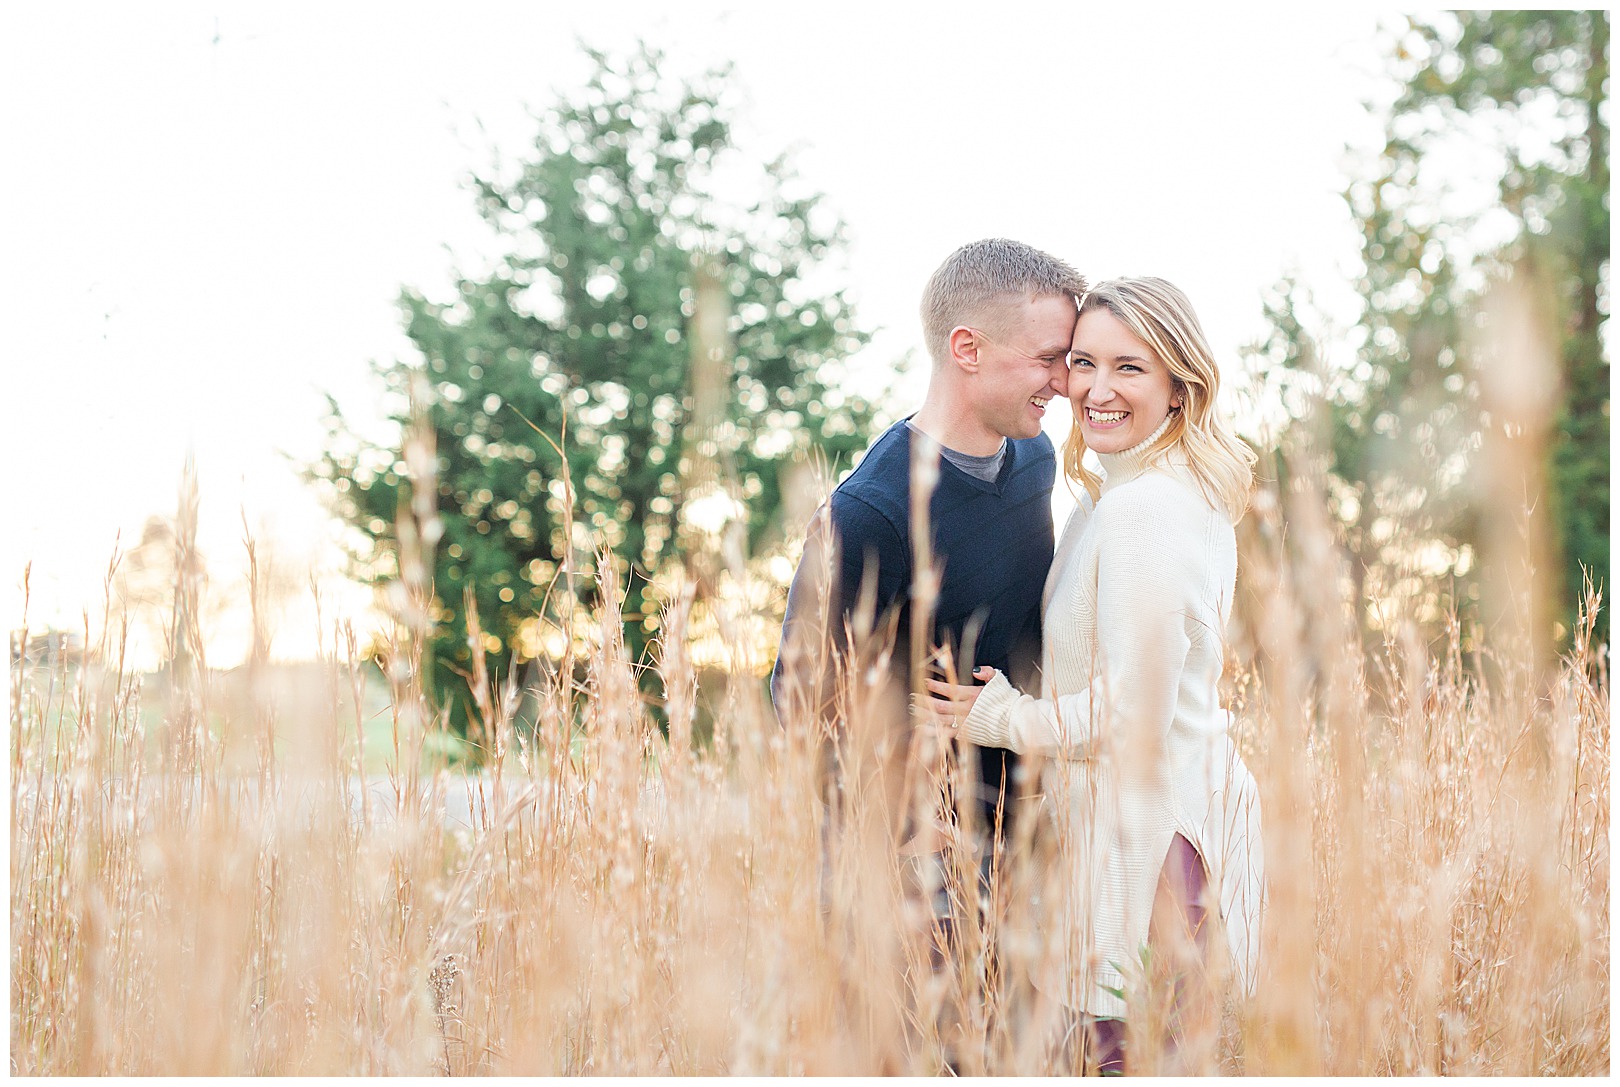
1127 464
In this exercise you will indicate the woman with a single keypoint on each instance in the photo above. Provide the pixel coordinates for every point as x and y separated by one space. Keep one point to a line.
1151 799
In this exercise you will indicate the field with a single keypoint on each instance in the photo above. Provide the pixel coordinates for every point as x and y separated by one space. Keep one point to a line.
198 888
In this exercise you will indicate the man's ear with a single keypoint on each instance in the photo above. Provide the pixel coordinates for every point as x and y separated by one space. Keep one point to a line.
964 344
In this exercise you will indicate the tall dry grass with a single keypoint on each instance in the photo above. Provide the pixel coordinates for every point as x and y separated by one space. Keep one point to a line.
219 898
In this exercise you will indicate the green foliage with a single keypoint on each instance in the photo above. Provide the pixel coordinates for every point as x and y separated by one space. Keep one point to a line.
1544 76
1404 419
584 326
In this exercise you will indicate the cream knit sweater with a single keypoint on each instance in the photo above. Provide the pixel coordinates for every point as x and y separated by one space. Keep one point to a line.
1134 614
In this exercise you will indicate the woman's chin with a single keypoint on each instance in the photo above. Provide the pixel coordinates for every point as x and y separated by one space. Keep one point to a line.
1107 441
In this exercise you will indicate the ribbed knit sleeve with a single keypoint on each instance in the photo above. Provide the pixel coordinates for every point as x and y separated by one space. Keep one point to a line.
1003 716
986 723
1152 563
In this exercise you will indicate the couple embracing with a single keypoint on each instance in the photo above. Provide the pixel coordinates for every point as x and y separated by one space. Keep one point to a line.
1101 654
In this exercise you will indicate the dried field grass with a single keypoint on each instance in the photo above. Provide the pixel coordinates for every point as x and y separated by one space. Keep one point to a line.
210 899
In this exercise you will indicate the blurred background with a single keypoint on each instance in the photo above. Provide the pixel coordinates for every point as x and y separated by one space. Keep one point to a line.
235 232
530 336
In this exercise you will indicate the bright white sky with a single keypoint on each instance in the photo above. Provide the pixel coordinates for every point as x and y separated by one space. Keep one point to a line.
210 208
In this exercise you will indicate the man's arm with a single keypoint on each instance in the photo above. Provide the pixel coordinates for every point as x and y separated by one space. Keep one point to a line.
799 679
850 551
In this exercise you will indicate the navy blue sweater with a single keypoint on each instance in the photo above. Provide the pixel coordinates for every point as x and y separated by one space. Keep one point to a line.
993 541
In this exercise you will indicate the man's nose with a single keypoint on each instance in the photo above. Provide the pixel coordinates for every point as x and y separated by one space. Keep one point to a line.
1060 379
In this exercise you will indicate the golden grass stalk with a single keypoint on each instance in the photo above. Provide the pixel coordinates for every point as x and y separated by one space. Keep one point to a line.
628 903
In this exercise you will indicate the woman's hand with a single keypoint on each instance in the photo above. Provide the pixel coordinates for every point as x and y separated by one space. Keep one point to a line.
950 703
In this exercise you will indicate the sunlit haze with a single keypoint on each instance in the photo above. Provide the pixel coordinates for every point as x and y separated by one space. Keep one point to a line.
211 210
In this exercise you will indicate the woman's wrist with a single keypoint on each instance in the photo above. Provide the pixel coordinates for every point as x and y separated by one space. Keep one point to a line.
986 724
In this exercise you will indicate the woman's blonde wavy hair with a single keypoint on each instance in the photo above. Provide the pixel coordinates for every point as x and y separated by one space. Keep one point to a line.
1159 315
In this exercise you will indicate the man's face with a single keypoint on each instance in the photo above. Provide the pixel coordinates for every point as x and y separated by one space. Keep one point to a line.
1021 365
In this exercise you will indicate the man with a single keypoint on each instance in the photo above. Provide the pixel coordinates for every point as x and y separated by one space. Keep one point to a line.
998 317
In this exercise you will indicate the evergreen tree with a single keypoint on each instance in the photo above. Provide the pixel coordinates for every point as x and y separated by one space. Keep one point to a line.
657 314
1404 420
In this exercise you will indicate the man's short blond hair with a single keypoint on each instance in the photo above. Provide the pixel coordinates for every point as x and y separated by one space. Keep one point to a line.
979 282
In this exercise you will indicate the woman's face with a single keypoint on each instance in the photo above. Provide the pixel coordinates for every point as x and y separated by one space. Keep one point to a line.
1120 390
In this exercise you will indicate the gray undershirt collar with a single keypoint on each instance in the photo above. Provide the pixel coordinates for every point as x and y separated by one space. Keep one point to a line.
986 468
